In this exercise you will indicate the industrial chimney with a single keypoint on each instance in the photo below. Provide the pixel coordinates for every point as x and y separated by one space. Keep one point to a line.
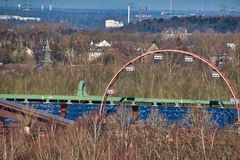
50 5
42 6
19 6
170 7
129 14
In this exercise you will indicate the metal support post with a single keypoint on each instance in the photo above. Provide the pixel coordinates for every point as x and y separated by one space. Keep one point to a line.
135 114
64 109
238 122
2 123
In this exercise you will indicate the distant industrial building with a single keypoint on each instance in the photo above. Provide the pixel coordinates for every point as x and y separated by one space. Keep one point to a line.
113 24
19 18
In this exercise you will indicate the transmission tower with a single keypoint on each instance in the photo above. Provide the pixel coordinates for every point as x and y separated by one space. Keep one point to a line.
45 58
6 7
133 5
146 13
140 15
222 9
27 5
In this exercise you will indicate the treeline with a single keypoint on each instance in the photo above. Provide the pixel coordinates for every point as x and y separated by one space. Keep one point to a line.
71 46
170 78
34 36
192 24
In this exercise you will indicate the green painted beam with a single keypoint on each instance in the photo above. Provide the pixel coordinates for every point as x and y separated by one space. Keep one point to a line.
83 97
112 100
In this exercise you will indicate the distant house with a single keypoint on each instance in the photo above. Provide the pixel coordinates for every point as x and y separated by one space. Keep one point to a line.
168 34
219 60
152 48
183 34
97 49
130 48
232 46
104 43
23 55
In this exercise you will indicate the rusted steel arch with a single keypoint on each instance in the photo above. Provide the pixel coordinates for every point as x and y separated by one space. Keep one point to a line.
223 76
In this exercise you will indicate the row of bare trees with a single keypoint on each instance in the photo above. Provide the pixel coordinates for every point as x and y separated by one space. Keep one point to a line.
70 46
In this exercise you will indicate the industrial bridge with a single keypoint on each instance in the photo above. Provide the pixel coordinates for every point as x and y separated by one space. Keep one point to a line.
83 98
14 106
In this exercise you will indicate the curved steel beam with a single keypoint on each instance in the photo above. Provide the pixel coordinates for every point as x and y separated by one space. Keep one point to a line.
223 76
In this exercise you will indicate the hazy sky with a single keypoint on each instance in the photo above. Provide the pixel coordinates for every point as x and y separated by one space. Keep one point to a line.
152 4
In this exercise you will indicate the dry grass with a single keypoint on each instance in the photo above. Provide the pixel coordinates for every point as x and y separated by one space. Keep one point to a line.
149 82
89 140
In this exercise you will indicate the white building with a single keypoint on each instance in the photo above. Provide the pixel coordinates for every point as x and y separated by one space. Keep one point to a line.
104 43
19 18
97 49
232 46
5 17
170 33
113 24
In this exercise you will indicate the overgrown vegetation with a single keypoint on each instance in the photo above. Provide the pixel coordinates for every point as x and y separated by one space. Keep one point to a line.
87 139
119 140
170 78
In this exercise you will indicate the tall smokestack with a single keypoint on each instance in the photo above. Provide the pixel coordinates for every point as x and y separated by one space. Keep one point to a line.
42 6
170 8
19 6
50 5
129 14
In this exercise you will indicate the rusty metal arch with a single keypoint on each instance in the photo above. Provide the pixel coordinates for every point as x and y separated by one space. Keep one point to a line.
223 76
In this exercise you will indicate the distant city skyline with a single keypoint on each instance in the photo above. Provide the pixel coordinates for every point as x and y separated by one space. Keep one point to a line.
122 4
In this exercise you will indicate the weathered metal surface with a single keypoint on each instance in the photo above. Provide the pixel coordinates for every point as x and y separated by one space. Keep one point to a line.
18 111
111 100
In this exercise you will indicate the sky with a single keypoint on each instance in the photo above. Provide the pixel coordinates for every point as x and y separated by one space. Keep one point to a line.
151 4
